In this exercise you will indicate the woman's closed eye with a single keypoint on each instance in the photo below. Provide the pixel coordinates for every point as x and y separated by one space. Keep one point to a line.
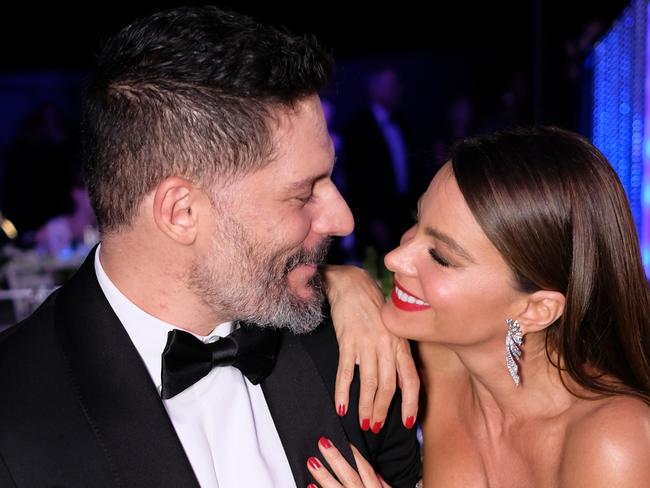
438 258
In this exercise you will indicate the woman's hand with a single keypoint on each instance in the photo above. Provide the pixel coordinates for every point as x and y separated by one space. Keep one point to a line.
346 475
356 302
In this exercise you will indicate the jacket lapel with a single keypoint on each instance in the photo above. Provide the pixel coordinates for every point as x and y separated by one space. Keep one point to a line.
301 407
115 390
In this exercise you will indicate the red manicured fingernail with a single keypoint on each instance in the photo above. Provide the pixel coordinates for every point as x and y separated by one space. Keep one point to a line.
325 442
312 485
314 463
365 424
376 427
341 410
410 422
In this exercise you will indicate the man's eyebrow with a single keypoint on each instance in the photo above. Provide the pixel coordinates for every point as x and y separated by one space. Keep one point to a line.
452 244
306 182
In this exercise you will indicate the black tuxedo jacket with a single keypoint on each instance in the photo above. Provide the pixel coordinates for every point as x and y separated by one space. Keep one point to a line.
79 409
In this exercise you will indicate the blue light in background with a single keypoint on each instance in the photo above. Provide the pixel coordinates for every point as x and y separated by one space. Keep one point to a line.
621 111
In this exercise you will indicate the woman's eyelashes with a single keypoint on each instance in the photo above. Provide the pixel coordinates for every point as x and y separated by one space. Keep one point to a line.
438 258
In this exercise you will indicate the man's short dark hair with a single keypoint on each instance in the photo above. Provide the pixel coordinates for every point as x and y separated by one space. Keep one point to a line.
188 92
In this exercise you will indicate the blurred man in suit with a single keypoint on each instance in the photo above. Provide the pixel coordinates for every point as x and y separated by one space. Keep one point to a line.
377 165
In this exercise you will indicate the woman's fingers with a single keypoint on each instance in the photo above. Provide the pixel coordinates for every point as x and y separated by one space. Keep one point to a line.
321 474
344 376
368 476
383 358
369 382
409 383
386 386
346 476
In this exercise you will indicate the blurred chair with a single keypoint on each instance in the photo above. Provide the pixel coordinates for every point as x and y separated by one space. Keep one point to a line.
29 281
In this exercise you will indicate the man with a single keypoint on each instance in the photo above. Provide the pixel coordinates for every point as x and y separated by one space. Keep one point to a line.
209 164
378 167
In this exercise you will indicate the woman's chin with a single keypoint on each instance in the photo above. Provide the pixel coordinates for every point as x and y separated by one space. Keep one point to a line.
399 322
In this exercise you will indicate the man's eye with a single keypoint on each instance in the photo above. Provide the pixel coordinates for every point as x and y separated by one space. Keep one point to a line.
304 199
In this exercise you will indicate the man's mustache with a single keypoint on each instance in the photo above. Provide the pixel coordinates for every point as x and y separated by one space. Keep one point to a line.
315 256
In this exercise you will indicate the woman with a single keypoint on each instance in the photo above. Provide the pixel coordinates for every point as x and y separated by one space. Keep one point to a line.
523 285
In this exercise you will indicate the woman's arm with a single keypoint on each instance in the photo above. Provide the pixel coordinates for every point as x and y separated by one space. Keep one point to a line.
384 360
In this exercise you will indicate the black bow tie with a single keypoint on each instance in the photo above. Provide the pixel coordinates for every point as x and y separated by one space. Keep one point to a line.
187 359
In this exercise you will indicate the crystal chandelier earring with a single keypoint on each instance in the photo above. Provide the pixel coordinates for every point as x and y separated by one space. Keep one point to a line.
514 339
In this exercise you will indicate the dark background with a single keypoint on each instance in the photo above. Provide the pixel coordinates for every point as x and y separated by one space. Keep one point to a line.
496 37
64 36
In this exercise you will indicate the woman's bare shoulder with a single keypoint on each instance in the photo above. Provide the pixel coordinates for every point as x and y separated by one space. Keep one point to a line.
608 444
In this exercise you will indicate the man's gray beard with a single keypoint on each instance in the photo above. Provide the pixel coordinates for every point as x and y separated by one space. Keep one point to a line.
251 286
292 313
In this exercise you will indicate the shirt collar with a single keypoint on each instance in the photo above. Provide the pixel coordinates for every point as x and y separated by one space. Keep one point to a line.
148 333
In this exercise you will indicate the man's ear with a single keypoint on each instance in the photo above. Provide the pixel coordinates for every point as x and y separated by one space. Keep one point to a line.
175 209
543 308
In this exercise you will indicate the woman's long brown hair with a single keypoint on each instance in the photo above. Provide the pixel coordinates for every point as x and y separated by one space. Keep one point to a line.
555 209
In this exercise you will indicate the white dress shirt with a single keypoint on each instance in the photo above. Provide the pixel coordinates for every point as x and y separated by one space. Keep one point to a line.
222 421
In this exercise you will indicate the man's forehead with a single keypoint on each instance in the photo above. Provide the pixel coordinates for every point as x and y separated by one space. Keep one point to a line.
291 174
302 151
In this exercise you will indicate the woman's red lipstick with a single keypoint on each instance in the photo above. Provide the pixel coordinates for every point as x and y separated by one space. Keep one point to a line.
407 301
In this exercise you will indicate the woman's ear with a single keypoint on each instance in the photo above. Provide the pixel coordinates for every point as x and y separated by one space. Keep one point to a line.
175 209
543 308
